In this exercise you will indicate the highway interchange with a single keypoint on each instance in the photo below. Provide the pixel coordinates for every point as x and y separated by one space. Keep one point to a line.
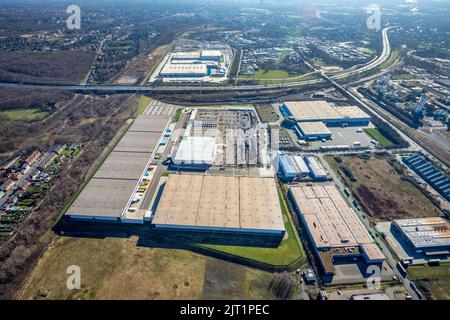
225 88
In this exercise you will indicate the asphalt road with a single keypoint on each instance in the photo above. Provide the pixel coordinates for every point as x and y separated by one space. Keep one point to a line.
145 205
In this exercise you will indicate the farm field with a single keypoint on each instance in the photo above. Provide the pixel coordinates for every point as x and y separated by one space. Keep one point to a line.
433 281
23 114
382 190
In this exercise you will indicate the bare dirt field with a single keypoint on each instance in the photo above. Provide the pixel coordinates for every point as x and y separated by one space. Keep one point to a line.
384 193
118 268
142 67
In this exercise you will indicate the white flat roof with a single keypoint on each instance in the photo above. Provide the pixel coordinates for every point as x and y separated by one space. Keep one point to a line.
211 53
316 166
186 55
183 68
196 149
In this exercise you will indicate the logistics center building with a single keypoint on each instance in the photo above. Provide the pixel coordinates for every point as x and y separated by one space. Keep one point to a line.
430 236
314 117
307 111
333 227
224 204
108 195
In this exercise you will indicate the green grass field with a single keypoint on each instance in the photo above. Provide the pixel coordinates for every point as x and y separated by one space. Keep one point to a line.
392 58
23 114
143 104
289 252
368 50
434 281
376 134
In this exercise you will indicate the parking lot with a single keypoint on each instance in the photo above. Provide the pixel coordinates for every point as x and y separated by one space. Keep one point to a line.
347 136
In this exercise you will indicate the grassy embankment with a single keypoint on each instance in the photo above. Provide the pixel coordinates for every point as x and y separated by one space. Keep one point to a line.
378 136
433 281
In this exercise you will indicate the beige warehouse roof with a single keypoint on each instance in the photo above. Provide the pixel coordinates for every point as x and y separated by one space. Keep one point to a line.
372 251
313 127
312 110
220 202
322 110
351 112
330 220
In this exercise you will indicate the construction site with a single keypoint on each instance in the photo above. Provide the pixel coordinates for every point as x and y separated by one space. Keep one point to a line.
223 137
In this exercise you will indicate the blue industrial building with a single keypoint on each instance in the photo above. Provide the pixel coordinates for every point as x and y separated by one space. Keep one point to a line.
287 170
292 167
434 177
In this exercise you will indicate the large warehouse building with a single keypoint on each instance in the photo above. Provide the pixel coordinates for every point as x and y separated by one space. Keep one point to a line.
184 70
221 204
314 130
108 194
297 167
333 227
196 64
438 180
195 151
429 236
308 111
